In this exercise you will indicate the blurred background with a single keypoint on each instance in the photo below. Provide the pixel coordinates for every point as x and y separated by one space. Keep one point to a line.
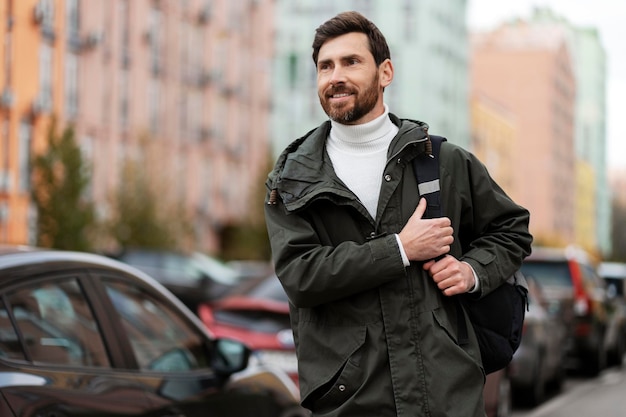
153 123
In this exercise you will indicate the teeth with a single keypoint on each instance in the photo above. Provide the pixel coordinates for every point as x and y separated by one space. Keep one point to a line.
341 95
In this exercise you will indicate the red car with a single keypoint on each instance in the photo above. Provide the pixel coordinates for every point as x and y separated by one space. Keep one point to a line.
257 314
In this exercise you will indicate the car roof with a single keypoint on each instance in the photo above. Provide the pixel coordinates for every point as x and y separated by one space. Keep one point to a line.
19 256
16 256
615 270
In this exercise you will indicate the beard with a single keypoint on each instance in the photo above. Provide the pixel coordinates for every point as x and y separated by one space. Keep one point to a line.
348 114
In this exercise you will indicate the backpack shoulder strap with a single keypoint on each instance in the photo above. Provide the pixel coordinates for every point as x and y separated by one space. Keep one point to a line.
426 168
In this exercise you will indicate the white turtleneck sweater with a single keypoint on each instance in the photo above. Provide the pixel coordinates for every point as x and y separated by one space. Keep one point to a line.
359 154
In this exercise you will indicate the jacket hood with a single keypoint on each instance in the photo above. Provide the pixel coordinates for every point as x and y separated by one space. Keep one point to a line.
303 162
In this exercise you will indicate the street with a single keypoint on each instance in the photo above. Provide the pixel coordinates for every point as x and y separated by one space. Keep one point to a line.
603 396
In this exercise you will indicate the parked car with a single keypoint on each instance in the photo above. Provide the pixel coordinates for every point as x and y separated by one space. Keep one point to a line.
614 274
82 334
497 394
257 314
539 362
577 294
193 277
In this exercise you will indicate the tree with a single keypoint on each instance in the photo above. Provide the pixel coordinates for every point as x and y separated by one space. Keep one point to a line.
145 214
249 239
60 181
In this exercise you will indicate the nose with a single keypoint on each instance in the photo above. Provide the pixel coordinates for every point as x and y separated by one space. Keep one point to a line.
337 76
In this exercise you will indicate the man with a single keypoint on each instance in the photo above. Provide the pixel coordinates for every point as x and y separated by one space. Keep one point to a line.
373 314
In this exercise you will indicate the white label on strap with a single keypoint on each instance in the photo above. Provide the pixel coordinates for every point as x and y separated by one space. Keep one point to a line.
428 187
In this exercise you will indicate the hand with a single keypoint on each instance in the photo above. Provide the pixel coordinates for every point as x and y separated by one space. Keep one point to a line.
424 239
451 275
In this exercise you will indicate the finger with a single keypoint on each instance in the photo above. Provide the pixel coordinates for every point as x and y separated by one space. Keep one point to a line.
428 265
421 208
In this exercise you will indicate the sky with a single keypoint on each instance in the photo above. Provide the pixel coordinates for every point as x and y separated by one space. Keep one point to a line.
609 18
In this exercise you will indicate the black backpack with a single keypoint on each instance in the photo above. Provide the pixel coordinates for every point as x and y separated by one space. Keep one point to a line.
498 317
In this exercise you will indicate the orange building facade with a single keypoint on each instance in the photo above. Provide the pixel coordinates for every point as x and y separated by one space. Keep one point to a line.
30 78
187 81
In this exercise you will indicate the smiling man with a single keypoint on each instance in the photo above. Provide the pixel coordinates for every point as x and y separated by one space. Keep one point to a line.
373 314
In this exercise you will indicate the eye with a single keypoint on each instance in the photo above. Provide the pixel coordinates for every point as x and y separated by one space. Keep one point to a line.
323 67
353 61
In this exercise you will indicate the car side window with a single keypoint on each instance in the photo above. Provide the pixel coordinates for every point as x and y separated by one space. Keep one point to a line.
590 277
9 342
56 324
161 339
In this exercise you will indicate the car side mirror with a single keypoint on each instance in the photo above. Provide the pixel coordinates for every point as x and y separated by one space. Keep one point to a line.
229 356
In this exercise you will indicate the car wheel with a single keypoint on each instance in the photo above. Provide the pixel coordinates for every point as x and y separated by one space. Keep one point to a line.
558 379
596 360
504 397
616 356
537 391
533 393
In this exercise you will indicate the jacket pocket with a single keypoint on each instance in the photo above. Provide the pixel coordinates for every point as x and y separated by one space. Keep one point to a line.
330 368
450 327
445 324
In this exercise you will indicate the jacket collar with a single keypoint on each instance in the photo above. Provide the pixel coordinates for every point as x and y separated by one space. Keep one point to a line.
304 169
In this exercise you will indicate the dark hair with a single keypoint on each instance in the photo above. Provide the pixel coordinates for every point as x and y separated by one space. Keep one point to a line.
348 22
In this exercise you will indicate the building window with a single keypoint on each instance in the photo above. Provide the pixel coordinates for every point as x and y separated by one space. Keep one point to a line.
71 85
154 97
293 70
183 113
72 19
45 72
123 97
124 14
185 49
24 139
44 15
155 40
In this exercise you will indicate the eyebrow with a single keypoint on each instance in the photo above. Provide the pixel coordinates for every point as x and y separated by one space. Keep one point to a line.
343 58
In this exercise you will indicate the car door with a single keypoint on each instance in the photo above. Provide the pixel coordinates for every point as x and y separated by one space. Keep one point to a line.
175 361
54 359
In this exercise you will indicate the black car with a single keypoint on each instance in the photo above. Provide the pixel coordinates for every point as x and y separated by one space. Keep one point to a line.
539 362
614 274
85 335
193 277
578 296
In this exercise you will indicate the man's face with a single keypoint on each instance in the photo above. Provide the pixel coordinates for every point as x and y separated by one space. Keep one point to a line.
349 84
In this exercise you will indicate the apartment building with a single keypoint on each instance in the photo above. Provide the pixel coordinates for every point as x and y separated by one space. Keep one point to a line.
590 130
529 68
186 82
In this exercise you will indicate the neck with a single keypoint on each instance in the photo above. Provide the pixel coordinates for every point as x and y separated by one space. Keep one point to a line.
365 134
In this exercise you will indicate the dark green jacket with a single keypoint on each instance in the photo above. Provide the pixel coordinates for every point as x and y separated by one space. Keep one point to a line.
374 338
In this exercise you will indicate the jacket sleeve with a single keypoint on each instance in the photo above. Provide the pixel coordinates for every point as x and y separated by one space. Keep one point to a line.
313 273
492 230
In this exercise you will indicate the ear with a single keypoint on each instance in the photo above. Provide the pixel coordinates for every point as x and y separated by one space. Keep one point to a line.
385 73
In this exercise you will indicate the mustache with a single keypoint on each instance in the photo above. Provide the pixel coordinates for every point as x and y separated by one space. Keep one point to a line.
338 90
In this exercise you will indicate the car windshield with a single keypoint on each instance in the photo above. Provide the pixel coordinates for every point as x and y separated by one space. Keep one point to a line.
268 288
214 268
548 273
